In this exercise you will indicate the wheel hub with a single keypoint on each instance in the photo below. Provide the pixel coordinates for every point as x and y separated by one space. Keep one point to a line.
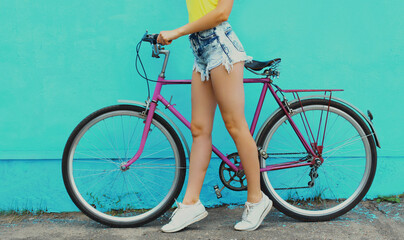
123 167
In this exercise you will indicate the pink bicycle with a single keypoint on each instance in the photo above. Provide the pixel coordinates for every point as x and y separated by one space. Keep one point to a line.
124 165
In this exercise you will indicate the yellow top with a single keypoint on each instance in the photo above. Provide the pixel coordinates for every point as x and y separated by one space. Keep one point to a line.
199 8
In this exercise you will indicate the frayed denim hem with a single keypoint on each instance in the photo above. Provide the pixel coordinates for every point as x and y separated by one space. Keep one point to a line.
202 72
225 62
227 65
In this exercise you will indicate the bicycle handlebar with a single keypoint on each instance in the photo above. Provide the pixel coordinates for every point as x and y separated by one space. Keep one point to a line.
157 49
151 38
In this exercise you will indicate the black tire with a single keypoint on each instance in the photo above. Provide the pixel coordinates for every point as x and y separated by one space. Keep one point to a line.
292 202
114 214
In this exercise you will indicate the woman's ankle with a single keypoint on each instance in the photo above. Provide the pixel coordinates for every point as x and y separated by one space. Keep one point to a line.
190 201
255 198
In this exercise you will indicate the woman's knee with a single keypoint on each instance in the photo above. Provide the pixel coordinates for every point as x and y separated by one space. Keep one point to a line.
199 129
234 125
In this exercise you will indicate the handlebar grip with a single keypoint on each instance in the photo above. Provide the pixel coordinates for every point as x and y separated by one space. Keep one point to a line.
151 38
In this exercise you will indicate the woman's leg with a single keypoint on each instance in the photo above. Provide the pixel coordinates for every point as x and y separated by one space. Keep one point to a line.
203 110
228 89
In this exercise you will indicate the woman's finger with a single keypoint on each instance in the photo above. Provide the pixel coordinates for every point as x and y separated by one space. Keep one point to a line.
163 40
159 39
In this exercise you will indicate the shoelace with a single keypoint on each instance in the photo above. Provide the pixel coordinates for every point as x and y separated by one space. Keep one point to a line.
176 210
246 212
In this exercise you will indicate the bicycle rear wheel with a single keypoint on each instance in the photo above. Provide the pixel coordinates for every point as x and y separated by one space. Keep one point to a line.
94 180
340 182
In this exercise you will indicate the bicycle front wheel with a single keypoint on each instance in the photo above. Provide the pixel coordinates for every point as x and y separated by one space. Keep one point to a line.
320 193
93 156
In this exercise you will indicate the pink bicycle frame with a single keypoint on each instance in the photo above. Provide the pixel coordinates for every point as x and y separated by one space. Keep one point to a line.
266 85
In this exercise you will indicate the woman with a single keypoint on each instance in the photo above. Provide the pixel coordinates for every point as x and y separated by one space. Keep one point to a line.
219 57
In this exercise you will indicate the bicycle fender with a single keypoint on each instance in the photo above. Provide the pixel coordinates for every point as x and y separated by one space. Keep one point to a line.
370 124
165 117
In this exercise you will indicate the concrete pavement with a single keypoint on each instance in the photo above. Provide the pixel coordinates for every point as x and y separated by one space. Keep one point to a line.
368 220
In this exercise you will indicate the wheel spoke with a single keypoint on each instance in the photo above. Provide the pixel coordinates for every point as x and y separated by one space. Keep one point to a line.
338 181
93 167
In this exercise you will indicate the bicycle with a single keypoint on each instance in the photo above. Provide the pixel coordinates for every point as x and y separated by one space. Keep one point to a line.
317 154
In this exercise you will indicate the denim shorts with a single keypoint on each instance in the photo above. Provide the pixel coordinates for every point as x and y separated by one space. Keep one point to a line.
215 46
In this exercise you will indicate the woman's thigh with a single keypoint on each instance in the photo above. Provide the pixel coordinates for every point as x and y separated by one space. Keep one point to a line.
229 93
203 105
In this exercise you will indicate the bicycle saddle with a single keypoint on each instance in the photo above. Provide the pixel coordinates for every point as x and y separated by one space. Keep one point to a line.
257 65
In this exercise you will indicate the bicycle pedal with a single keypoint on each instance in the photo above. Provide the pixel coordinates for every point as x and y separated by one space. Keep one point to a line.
218 191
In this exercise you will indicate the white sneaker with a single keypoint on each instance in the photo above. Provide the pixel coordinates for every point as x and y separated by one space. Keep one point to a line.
184 216
253 214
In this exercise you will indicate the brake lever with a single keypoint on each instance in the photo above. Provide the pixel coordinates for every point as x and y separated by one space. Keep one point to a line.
145 34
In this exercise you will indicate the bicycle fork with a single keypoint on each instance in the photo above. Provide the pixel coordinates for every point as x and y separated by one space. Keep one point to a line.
149 116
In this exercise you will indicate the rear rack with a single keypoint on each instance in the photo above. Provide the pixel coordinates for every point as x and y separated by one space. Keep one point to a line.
310 90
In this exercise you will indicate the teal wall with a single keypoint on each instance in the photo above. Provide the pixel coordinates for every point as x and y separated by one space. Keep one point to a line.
61 60
38 185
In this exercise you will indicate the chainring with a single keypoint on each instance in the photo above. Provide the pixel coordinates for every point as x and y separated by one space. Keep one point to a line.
235 181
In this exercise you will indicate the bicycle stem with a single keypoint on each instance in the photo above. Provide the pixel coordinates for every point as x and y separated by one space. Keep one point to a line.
166 55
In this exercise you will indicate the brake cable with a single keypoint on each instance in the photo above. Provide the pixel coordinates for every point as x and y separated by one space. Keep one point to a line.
138 46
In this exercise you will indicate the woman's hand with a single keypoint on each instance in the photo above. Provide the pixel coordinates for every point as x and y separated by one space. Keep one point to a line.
166 37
